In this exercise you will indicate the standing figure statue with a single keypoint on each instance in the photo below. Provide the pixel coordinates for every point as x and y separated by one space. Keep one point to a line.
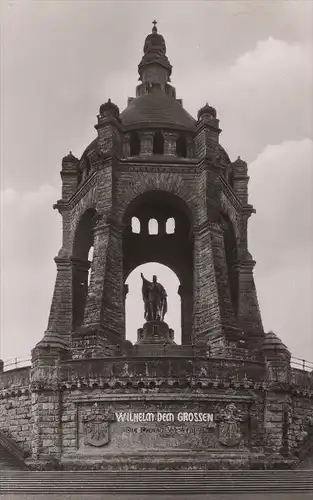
155 299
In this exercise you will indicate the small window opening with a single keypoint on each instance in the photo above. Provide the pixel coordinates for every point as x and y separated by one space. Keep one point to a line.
181 147
170 226
158 143
90 258
134 144
135 223
153 226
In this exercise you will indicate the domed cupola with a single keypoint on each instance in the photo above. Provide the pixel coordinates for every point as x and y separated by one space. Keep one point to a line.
154 66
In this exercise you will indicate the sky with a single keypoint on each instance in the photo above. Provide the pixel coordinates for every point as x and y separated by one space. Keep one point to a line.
252 61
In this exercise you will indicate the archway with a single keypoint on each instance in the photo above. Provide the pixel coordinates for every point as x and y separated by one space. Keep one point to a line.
82 255
134 303
146 247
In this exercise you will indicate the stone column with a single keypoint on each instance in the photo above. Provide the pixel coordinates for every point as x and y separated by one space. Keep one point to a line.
46 409
185 294
126 290
60 318
146 143
92 315
170 143
80 290
248 314
69 176
162 226
126 146
278 397
214 320
190 147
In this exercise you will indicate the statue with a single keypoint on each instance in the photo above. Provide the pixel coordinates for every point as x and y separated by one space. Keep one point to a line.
155 299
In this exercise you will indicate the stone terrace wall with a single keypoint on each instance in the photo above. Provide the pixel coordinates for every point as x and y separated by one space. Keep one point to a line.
15 406
302 408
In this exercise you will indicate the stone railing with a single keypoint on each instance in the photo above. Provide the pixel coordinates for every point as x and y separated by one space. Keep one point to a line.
214 370
12 448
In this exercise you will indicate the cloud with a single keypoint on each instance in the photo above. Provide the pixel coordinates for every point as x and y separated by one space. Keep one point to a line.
281 240
265 97
30 238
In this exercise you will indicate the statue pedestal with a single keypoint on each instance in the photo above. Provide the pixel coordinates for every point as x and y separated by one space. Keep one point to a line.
155 332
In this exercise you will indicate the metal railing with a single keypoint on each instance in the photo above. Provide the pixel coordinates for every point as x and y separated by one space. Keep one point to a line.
301 364
12 364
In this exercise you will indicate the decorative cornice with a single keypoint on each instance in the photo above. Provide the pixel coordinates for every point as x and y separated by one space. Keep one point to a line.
69 204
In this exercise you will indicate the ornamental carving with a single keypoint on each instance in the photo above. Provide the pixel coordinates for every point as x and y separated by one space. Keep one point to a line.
230 420
96 426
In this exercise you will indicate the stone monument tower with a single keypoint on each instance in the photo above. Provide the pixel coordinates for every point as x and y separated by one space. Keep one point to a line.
225 396
154 160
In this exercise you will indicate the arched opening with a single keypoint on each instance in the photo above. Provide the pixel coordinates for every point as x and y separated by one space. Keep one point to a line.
153 226
82 255
175 252
170 226
134 303
135 224
134 144
231 254
181 146
158 143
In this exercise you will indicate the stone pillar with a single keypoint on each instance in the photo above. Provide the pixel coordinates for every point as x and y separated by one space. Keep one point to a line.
146 143
190 147
104 319
185 294
214 320
80 290
162 226
248 313
126 290
109 129
46 406
126 145
93 308
278 398
60 318
170 143
207 134
240 180
69 175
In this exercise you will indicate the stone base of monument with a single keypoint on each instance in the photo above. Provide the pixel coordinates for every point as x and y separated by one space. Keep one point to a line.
171 460
155 332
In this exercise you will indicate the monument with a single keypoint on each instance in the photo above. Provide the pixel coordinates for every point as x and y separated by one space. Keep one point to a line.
227 397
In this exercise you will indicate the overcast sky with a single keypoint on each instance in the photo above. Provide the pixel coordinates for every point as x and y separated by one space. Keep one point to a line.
251 60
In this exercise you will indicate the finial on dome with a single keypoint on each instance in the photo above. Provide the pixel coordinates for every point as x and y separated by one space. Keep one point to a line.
154 29
109 109
207 110
69 159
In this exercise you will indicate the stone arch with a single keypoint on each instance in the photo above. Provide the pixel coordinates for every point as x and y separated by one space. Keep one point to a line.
170 185
83 241
141 249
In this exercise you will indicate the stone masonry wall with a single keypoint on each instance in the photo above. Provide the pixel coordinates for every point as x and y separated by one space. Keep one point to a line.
15 406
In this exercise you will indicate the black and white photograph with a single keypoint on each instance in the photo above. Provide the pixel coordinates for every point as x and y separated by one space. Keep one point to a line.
156 245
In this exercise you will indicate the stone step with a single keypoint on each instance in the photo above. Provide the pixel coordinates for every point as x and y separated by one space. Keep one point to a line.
178 482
